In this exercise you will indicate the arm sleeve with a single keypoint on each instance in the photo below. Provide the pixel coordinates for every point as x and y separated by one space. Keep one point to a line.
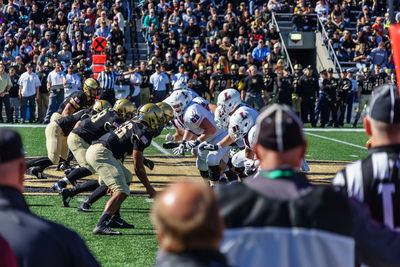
376 244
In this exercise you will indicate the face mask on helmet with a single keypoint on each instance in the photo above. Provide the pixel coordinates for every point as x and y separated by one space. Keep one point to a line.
240 124
221 118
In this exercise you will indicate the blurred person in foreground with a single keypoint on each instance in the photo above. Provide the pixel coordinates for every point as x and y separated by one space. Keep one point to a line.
35 241
189 228
285 212
375 180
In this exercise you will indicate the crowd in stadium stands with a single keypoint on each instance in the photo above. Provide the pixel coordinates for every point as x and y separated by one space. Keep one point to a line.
209 44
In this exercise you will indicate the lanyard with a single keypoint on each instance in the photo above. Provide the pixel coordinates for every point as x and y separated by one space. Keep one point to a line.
276 174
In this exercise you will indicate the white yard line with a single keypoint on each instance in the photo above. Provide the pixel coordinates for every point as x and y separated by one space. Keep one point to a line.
160 148
9 125
333 130
335 140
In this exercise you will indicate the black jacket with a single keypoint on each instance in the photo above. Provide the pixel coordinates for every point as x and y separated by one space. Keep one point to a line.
38 242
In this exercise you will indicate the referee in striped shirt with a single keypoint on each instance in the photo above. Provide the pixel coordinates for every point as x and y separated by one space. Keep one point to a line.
107 80
376 179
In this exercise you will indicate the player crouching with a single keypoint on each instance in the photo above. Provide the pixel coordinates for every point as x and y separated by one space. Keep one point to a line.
105 156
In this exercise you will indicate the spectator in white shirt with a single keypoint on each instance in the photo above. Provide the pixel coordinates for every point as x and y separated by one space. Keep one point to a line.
28 92
55 84
136 80
160 83
72 82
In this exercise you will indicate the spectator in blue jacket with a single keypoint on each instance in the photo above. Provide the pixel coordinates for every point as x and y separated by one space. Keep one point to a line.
260 53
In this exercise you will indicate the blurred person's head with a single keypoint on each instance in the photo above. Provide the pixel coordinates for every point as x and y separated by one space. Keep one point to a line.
261 43
29 68
12 161
186 218
58 66
253 70
382 122
279 139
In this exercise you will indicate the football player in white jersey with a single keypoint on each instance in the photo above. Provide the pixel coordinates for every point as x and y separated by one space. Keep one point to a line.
199 121
231 104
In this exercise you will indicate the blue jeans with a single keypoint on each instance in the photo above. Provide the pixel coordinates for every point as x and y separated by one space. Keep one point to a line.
55 100
32 107
136 100
254 100
159 96
14 102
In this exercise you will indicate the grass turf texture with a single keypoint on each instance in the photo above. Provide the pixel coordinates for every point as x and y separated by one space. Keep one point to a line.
137 247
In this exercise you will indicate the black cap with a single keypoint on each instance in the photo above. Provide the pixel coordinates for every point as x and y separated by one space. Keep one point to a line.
108 63
10 145
323 71
309 67
158 65
385 104
330 70
29 65
278 128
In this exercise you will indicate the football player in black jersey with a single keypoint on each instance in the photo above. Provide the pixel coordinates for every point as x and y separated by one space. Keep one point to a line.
105 155
56 140
343 92
101 191
270 81
78 100
219 82
366 86
236 77
88 130
381 78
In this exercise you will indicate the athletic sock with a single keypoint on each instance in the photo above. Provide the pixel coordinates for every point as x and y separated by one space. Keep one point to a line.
85 187
104 219
78 173
97 194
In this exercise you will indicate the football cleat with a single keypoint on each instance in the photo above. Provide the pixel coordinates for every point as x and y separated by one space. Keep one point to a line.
66 197
85 207
38 173
118 222
59 186
105 230
148 163
62 166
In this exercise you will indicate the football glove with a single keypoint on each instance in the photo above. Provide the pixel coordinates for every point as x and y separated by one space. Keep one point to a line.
249 166
181 149
193 143
207 146
170 145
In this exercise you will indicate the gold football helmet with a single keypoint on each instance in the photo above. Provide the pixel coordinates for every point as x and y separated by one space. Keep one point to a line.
167 110
267 66
220 67
152 116
124 108
91 87
234 67
101 105
298 67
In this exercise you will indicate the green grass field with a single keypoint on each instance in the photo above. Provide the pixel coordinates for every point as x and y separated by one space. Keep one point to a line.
138 247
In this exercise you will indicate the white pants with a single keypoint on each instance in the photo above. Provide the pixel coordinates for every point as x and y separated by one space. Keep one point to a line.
207 158
238 159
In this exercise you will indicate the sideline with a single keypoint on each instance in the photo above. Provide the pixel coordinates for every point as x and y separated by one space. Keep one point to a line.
336 140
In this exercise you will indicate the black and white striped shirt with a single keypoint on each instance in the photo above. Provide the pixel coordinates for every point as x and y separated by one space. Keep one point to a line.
376 182
107 80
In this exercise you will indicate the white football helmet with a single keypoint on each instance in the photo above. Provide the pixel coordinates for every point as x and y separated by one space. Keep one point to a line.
229 99
221 119
180 85
179 100
240 124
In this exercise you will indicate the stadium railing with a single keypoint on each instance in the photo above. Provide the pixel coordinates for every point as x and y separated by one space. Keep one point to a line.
331 51
289 62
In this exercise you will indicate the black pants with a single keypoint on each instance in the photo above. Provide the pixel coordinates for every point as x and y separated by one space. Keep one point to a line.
328 107
341 105
6 100
308 109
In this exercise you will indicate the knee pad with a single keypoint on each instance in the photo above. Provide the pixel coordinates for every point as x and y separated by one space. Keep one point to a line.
214 173
204 174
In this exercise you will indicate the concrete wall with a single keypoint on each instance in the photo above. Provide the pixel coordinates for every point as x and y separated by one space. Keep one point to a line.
323 60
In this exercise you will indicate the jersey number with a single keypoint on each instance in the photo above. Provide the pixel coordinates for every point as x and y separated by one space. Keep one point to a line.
121 131
195 118
98 116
